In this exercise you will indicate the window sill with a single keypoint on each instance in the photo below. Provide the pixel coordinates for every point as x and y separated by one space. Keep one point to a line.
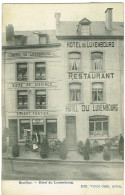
97 71
98 103
99 138
75 103
75 71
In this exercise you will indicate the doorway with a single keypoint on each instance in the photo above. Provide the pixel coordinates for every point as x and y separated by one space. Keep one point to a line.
71 132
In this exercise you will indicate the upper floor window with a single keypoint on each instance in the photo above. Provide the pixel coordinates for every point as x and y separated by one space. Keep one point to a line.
84 29
97 61
74 61
40 71
21 71
41 99
97 92
43 38
75 92
98 125
22 99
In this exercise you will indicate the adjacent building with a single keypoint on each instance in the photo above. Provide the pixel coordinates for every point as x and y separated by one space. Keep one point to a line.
64 83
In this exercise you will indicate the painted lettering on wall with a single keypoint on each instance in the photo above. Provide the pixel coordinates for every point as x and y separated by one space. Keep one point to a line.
30 54
32 84
76 75
91 44
34 113
92 107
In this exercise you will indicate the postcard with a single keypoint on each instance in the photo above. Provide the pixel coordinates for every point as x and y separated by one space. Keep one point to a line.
62 98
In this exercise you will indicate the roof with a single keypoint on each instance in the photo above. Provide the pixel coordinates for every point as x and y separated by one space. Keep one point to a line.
97 28
32 37
69 28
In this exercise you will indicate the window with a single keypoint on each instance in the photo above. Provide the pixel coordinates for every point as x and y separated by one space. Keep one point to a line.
22 101
51 128
41 99
74 61
84 29
97 61
38 125
25 129
75 91
22 72
43 40
40 71
97 92
98 125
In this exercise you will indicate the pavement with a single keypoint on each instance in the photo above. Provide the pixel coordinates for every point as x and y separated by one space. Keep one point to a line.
17 169
29 165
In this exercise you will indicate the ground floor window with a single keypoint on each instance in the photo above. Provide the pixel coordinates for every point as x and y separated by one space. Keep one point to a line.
98 125
24 129
51 128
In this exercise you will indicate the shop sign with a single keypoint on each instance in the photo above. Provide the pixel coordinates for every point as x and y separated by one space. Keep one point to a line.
31 84
30 54
77 75
90 44
92 107
32 113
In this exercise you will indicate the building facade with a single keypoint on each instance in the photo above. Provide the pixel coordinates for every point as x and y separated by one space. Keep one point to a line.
64 83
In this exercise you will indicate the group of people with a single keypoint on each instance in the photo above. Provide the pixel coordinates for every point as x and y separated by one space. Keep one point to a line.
37 139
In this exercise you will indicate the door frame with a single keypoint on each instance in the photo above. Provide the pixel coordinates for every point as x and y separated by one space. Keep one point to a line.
75 125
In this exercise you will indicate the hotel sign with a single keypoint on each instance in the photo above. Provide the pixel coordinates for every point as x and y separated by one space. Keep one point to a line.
30 54
90 44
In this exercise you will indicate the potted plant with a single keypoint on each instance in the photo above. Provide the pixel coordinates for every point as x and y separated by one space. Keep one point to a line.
15 150
63 150
86 150
80 147
44 148
106 155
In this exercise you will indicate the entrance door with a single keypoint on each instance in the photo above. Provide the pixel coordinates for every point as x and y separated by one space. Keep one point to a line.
13 139
71 132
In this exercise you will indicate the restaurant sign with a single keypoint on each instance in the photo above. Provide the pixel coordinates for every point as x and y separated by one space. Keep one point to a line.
30 54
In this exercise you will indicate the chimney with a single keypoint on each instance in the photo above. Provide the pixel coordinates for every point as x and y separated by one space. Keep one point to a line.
9 32
108 21
57 16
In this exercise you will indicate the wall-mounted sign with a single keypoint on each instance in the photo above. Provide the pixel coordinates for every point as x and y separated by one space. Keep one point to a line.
83 75
44 84
90 44
30 54
91 107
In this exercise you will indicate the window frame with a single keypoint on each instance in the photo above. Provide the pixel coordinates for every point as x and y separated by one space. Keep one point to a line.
83 25
56 128
38 62
18 63
103 65
74 52
18 101
36 99
81 100
95 135
19 137
104 92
